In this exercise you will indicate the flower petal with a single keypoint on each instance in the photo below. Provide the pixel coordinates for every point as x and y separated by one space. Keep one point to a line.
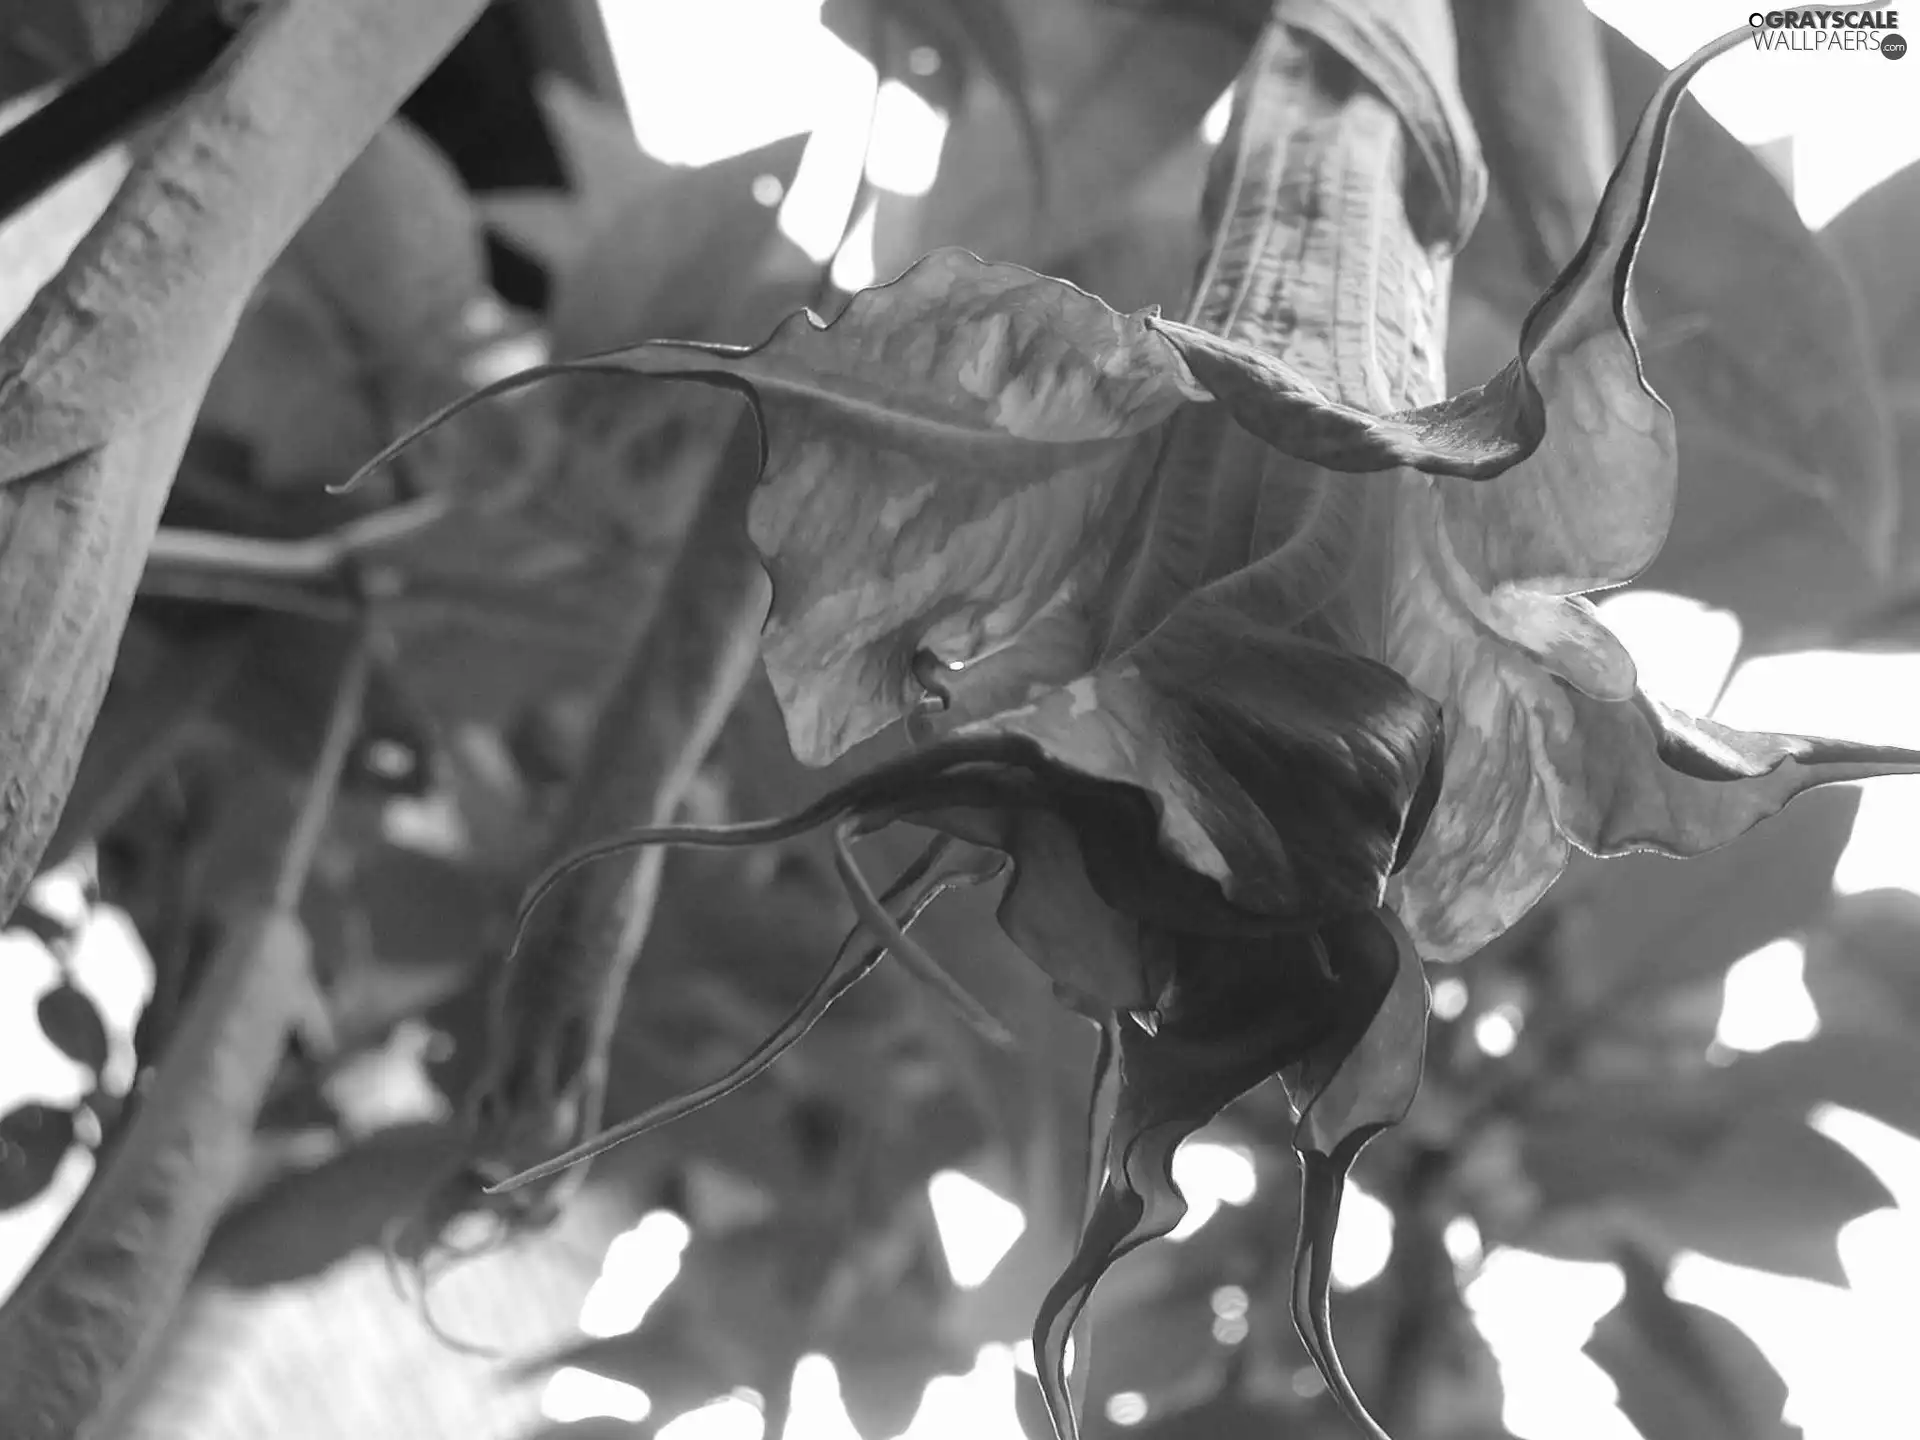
1247 1010
1284 770
1643 776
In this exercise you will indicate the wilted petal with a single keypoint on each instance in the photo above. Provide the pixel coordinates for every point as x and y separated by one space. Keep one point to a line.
1283 770
1346 1092
1241 1012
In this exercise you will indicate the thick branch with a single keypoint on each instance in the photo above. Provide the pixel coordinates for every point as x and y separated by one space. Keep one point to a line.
101 378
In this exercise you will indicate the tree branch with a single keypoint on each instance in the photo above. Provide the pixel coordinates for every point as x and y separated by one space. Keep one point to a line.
101 378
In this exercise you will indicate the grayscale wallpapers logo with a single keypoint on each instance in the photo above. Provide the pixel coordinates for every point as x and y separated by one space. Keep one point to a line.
1820 30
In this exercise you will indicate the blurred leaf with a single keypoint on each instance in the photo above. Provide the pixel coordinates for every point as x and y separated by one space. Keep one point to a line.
1114 92
606 169
1154 248
1685 1373
1772 1196
397 250
676 259
1873 238
1719 1160
1863 964
304 1222
1878 1075
290 386
886 1358
965 34
1649 923
70 1020
1536 83
1162 1349
34 1139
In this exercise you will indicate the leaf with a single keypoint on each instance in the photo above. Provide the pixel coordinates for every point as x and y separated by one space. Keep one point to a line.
965 34
1878 1075
1535 80
1685 1373
1772 1196
68 1018
291 386
1869 239
672 259
1150 255
605 169
1660 926
1863 964
1113 93
34 1139
304 1222
398 251
1719 1161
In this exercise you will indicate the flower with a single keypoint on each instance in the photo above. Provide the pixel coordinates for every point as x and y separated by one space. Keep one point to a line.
1253 747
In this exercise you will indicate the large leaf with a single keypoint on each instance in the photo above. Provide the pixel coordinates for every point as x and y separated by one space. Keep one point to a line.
1685 1373
671 260
982 35
1871 240
1863 964
306 1221
1653 926
1112 92
1772 1196
1536 82
1722 1162
1878 1075
397 249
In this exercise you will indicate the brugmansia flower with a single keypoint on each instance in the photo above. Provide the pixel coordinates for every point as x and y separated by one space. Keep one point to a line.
1241 797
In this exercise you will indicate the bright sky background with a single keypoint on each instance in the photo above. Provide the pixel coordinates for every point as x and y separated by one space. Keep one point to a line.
711 80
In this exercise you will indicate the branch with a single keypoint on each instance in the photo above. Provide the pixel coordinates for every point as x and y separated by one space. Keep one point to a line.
101 378
95 1300
557 1001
